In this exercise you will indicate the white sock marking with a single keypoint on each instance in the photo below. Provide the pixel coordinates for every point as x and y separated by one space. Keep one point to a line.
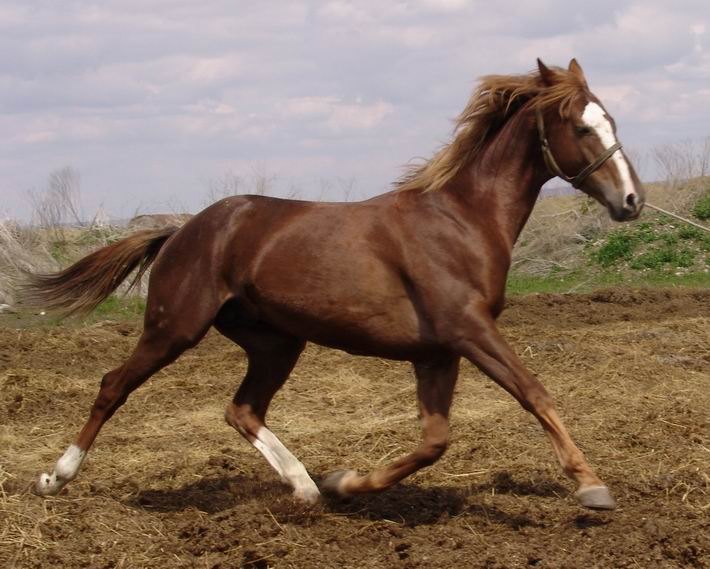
288 466
270 458
593 117
65 470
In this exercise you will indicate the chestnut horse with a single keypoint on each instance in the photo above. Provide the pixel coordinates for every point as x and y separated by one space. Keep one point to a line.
415 274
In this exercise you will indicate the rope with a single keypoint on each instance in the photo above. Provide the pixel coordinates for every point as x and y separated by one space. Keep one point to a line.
678 217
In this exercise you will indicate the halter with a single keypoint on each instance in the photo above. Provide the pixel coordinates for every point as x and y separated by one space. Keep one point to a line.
552 165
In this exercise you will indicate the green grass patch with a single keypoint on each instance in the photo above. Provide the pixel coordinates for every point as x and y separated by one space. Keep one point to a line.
645 232
117 307
701 209
657 258
581 281
690 232
655 245
619 245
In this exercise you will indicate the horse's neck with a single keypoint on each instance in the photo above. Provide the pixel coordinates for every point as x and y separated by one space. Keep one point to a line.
504 181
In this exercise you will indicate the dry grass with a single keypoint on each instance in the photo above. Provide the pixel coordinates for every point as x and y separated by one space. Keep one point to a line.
170 484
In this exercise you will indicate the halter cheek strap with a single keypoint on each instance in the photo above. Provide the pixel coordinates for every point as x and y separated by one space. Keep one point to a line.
552 165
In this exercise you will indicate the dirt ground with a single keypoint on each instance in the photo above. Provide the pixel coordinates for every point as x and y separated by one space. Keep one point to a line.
169 484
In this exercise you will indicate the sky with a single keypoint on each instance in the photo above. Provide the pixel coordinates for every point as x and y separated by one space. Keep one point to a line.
155 102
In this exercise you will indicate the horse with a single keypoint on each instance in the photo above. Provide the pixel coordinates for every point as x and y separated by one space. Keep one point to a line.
415 274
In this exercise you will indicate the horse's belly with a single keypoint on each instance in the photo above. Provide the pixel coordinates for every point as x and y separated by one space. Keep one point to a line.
388 328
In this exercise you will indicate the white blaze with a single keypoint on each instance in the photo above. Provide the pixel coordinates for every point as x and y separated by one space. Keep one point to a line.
593 117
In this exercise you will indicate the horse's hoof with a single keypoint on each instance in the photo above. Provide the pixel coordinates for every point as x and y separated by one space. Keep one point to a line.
335 482
48 485
596 498
308 494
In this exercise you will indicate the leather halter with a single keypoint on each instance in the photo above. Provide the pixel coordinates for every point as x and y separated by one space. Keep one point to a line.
552 165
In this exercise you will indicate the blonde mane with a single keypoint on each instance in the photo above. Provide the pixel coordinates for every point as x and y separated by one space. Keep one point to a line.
495 100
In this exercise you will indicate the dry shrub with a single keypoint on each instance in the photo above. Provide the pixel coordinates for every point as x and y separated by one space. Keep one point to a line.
21 250
556 234
683 161
59 205
26 249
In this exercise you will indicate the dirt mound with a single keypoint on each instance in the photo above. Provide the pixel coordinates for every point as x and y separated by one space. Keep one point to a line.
169 484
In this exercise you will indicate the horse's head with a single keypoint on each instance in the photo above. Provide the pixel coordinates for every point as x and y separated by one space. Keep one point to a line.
579 143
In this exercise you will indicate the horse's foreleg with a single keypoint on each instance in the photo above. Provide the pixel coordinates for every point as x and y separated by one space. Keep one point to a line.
486 348
435 387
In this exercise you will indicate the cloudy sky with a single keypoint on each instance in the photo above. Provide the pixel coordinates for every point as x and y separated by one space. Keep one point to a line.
151 100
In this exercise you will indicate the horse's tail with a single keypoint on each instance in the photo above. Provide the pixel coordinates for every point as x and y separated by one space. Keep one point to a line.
84 285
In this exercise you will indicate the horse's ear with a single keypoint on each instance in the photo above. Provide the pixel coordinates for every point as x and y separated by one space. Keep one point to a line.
546 74
576 69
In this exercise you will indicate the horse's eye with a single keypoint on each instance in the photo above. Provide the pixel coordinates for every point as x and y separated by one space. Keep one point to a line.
583 130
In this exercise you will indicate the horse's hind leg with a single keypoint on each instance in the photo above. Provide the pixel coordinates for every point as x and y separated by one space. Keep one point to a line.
435 388
272 356
158 346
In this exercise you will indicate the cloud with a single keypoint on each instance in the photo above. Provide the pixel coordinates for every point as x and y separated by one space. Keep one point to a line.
335 114
151 98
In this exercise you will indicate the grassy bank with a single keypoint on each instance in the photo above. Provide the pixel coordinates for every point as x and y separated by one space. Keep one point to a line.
570 245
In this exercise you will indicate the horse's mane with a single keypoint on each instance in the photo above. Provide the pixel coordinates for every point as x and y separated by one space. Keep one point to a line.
494 101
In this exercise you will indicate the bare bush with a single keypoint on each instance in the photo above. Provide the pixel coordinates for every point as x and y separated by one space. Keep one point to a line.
683 161
59 204
684 167
47 213
65 185
226 185
259 183
340 189
262 181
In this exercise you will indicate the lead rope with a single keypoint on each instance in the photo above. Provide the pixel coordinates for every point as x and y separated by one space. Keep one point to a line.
678 217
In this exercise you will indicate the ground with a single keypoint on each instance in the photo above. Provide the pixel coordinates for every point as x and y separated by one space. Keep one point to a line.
169 484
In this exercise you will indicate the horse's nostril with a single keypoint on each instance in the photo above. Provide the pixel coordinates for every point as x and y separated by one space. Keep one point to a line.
631 200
